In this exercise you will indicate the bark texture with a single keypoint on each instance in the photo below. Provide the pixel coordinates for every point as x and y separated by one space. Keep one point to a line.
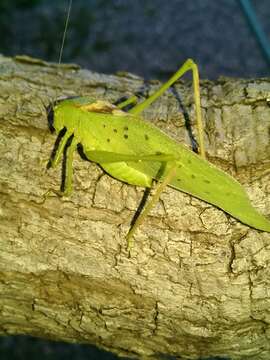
198 281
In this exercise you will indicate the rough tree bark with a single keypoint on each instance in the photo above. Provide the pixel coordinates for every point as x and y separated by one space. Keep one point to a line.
197 283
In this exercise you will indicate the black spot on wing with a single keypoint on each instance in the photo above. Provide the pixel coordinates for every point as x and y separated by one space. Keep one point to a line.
125 136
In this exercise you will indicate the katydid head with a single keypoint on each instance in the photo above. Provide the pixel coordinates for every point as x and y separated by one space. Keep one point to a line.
55 118
55 121
50 116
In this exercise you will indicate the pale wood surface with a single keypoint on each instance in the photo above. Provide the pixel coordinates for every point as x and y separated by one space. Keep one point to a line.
197 283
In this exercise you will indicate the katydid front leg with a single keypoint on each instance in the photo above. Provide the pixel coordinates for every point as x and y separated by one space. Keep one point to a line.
68 165
60 149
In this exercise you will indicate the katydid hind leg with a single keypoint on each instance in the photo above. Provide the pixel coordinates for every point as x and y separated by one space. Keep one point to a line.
187 66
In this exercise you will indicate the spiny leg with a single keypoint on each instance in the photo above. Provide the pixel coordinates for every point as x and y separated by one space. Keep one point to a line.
151 204
60 149
68 167
188 65
169 160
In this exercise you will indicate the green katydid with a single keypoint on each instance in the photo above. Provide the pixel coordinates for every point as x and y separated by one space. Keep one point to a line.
136 152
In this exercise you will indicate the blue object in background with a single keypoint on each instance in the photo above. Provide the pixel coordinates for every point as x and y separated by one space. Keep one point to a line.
257 28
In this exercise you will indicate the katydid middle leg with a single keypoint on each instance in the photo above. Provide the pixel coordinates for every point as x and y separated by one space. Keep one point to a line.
69 170
151 204
169 160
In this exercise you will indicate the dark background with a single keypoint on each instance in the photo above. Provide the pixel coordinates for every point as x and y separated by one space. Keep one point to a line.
151 38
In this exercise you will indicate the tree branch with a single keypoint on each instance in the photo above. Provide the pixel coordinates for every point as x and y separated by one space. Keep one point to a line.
196 284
